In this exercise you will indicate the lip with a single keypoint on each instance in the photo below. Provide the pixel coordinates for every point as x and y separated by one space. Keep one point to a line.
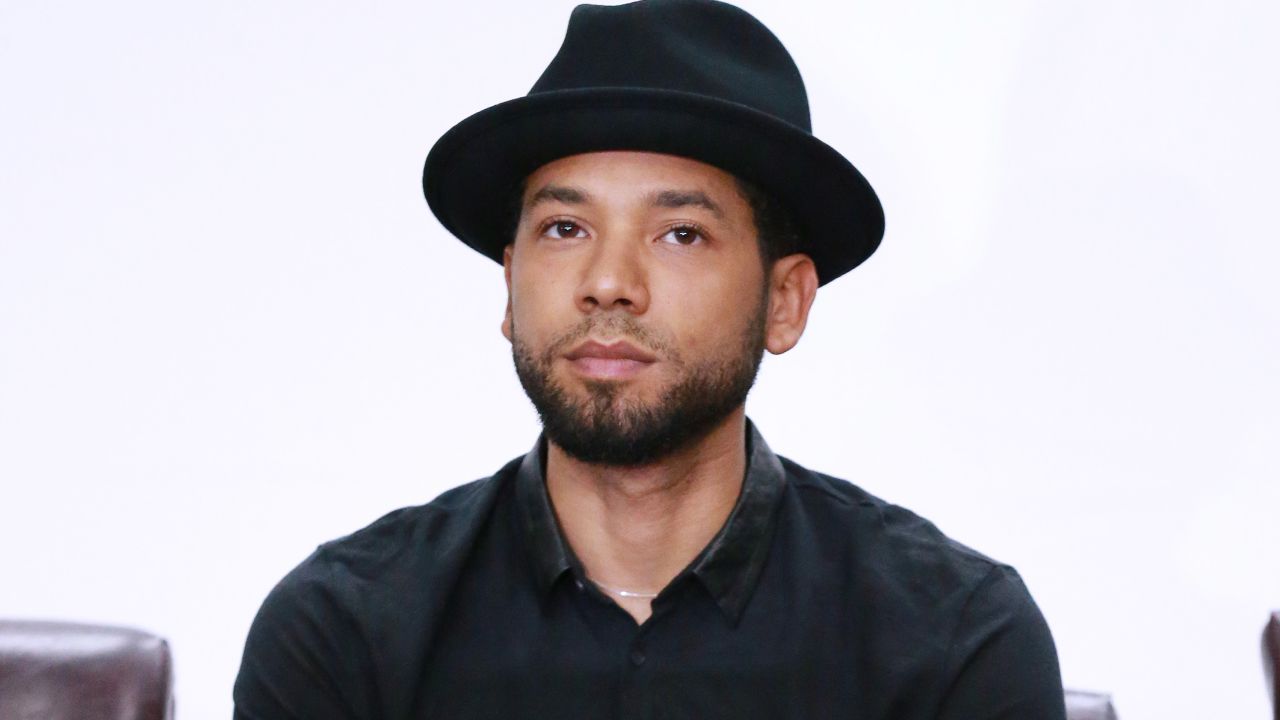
613 361
621 350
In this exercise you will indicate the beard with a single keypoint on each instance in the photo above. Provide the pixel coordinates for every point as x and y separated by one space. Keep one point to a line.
609 428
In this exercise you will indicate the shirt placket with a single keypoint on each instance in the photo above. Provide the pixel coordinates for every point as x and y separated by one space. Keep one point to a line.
637 700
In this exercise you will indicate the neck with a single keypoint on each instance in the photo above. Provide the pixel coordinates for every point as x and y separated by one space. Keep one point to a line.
638 527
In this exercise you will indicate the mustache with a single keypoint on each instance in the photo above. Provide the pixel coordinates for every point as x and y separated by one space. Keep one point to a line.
613 327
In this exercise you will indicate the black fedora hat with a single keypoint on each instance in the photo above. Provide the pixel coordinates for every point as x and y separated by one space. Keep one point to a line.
696 78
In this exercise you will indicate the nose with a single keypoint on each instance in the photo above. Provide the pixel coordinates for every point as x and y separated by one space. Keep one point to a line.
614 277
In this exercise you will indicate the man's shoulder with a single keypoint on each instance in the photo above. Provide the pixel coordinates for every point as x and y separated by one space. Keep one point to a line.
968 621
877 532
388 581
407 542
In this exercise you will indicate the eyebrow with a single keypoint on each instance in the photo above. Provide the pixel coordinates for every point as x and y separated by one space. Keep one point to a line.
662 199
685 198
559 193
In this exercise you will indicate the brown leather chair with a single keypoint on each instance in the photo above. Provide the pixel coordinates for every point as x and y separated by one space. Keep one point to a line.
1271 660
1083 705
70 671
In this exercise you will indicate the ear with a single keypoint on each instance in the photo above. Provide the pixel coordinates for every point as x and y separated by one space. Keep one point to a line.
793 284
506 274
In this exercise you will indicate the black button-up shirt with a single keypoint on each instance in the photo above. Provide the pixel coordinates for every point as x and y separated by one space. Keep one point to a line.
815 600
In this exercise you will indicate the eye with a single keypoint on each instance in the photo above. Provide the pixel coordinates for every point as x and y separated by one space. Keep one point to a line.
563 229
683 235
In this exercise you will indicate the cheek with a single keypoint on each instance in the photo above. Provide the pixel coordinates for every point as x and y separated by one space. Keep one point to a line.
706 317
539 277
538 308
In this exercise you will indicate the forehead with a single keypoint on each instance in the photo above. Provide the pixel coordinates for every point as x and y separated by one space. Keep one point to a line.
632 173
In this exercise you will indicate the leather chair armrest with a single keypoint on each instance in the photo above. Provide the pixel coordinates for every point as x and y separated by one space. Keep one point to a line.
1082 705
66 671
1271 660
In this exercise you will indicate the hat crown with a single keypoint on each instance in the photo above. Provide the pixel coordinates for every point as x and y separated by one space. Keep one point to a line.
703 47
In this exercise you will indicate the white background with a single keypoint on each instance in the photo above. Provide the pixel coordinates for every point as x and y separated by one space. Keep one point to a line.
230 329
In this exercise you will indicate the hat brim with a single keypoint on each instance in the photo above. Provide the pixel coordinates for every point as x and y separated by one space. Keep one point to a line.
473 170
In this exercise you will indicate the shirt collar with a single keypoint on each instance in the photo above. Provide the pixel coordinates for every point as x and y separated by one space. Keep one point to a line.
728 567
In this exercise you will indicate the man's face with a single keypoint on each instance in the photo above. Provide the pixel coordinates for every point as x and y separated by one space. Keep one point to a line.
637 303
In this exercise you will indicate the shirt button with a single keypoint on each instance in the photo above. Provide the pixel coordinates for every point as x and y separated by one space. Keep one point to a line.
637 658
579 584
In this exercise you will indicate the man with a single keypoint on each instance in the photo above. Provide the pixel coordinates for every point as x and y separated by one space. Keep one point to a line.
663 215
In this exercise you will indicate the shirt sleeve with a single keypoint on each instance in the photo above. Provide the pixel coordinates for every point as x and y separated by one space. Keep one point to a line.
1002 661
304 658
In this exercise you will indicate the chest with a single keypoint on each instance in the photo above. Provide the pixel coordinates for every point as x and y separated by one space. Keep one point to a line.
585 657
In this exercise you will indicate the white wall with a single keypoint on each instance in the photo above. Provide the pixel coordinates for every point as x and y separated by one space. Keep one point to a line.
230 329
